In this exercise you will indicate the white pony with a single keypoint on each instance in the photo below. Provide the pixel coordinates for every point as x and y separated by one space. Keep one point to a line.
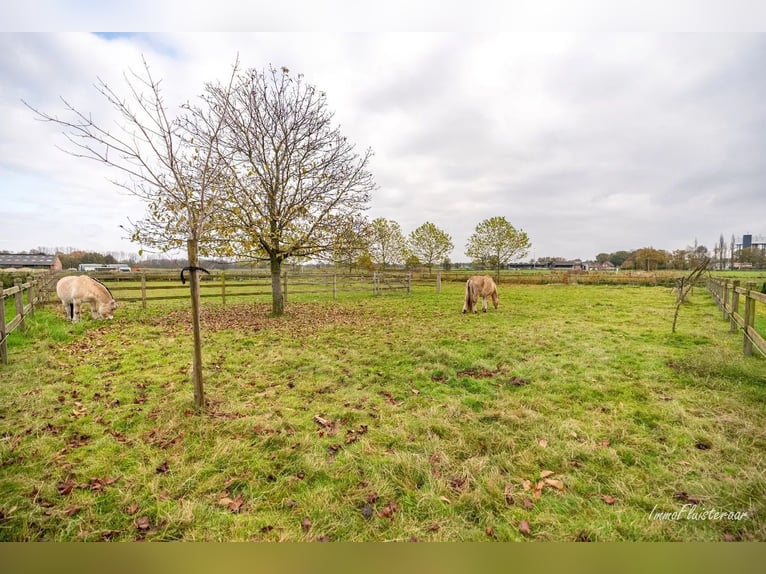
77 289
480 286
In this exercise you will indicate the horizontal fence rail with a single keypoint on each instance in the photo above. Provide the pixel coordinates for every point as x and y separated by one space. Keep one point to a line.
737 305
144 288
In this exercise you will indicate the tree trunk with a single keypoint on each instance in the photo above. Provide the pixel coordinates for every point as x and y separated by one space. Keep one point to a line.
277 301
199 394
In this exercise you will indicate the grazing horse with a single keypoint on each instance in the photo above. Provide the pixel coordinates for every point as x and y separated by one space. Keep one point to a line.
77 289
480 286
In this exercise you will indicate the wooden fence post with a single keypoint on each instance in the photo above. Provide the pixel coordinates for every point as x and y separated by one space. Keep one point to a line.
223 288
747 344
725 291
31 298
374 283
439 282
3 346
143 291
409 283
192 248
334 286
734 305
20 304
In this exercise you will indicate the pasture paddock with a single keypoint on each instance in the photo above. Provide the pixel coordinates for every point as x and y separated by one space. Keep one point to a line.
387 418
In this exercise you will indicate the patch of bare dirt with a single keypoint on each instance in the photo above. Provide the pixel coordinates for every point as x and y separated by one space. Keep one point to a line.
300 319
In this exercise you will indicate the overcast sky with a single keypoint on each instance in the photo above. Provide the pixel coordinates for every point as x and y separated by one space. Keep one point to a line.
590 141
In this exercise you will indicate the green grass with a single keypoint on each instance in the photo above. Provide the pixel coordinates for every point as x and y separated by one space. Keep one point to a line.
386 418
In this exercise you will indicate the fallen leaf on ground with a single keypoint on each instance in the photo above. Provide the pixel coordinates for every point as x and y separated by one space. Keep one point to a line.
72 510
543 442
528 504
305 524
546 473
388 510
132 508
554 483
322 421
142 523
608 498
65 487
524 527
236 504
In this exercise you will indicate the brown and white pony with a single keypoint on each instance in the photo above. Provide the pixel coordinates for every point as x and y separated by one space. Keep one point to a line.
78 289
480 286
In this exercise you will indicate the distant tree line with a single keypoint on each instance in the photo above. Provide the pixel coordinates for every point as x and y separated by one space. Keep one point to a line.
381 244
723 256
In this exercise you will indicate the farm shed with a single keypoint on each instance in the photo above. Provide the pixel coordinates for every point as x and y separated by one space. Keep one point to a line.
34 261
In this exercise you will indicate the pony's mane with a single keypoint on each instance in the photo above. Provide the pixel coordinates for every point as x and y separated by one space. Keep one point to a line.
103 285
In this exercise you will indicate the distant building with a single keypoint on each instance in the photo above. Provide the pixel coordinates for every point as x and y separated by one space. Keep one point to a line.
748 241
575 264
596 266
35 261
89 267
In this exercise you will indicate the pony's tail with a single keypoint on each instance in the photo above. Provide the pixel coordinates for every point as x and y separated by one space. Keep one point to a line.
468 305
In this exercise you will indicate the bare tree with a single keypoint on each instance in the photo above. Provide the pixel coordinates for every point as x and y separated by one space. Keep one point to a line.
172 163
685 284
721 252
293 176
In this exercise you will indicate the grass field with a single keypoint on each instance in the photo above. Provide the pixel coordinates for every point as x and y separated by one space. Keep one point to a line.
571 413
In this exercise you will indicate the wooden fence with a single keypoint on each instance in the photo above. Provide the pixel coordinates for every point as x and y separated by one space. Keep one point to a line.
733 298
156 285
35 292
163 285
147 287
